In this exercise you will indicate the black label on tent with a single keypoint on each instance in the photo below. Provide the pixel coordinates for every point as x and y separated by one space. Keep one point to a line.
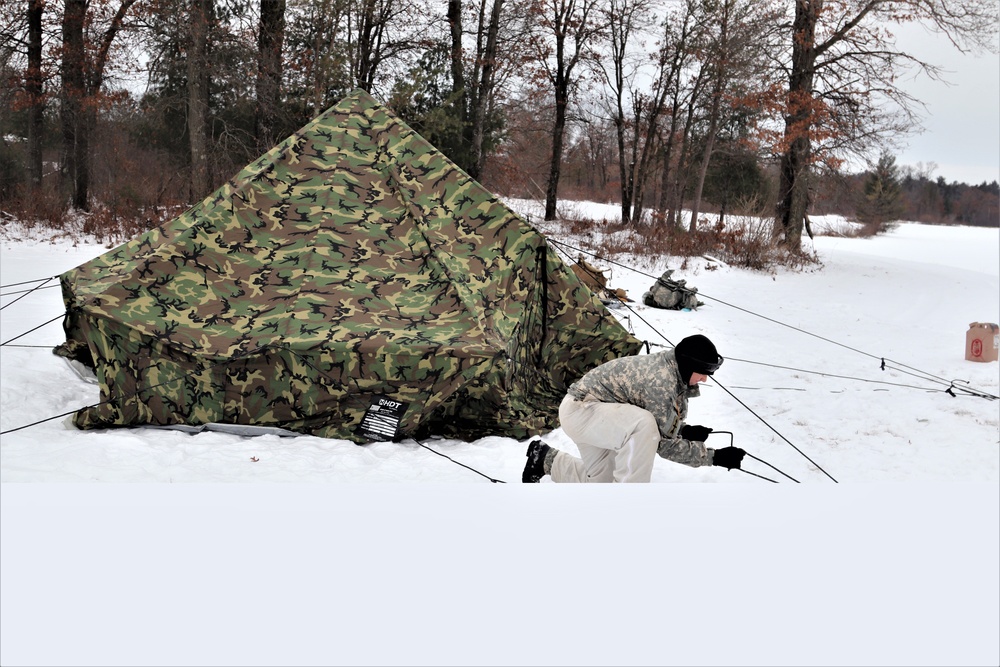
381 420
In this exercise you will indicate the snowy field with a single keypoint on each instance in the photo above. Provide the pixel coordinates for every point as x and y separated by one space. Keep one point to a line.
144 546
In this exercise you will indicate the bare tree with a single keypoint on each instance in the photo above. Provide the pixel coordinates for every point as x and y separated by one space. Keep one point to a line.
372 18
624 19
333 46
82 69
681 83
736 43
458 88
379 31
485 72
476 69
842 78
200 15
566 29
270 39
318 56
34 89
75 130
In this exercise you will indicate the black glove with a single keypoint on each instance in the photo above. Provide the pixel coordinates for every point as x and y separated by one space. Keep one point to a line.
728 457
691 432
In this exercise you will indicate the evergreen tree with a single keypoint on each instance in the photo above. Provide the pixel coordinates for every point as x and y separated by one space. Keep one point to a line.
882 201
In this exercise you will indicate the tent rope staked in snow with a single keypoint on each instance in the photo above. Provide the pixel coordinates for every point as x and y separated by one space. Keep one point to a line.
350 265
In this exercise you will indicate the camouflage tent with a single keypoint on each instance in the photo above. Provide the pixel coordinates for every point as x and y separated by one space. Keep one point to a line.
351 283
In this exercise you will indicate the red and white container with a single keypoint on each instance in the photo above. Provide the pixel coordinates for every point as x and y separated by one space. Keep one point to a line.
982 342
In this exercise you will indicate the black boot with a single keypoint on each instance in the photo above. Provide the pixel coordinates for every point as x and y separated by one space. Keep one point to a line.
534 469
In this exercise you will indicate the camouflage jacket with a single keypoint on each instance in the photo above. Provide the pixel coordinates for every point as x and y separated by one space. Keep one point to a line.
651 382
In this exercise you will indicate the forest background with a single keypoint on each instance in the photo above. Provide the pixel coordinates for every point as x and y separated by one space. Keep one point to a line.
126 112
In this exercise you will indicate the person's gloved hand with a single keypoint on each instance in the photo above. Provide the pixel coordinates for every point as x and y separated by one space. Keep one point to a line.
728 457
692 432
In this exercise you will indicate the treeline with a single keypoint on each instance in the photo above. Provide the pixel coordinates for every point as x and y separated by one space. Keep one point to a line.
129 109
742 184
912 194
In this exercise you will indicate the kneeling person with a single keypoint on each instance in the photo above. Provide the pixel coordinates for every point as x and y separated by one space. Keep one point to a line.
627 410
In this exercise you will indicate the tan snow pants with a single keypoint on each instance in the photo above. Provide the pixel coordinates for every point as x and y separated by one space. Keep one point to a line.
617 442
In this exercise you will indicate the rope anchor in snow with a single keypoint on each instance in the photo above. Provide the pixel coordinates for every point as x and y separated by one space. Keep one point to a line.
731 438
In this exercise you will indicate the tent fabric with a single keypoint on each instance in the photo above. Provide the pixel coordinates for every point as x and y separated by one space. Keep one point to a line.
353 261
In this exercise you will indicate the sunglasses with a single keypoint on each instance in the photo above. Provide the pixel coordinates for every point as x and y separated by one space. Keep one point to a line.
712 367
704 367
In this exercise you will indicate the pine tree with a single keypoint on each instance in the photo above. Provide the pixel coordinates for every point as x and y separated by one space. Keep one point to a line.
882 200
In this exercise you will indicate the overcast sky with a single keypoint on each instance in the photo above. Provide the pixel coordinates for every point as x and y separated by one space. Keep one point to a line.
962 120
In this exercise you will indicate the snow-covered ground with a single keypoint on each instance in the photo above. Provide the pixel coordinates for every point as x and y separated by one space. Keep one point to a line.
278 550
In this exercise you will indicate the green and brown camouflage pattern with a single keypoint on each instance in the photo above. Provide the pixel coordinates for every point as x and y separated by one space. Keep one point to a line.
352 261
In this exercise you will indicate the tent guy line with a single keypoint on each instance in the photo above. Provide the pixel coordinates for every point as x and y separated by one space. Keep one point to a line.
57 317
797 369
201 368
765 423
27 282
901 367
458 463
24 291
969 392
27 292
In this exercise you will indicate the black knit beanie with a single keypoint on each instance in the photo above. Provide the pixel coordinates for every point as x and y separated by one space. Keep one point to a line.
696 354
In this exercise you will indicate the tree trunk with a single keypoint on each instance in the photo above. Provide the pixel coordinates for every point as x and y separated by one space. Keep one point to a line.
484 93
793 184
626 168
793 188
572 28
666 204
369 41
34 88
620 23
555 164
706 155
647 158
75 131
270 40
198 78
666 157
721 58
699 185
683 149
626 161
457 70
